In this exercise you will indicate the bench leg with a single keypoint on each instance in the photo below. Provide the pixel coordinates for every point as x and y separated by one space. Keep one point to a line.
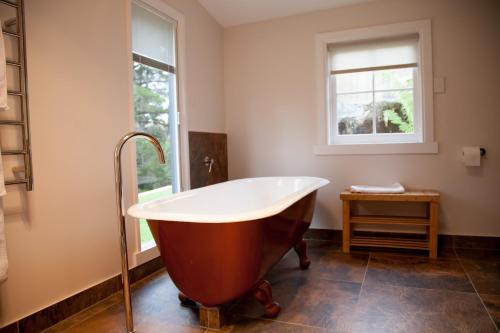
346 227
433 229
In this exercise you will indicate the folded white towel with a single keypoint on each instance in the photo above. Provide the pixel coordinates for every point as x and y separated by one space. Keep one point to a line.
3 74
394 188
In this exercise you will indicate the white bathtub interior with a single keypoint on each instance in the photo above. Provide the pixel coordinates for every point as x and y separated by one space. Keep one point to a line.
232 201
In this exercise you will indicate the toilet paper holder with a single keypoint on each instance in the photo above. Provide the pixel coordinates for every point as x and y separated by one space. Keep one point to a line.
472 156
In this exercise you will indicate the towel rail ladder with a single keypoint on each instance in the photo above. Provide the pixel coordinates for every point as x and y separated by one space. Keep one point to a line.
20 63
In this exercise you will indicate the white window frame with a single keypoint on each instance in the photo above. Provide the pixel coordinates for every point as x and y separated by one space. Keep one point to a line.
422 142
133 228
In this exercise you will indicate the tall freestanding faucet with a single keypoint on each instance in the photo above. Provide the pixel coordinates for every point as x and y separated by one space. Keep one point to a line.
121 216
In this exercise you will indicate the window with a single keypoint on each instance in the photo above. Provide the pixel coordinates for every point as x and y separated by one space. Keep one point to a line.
155 105
375 84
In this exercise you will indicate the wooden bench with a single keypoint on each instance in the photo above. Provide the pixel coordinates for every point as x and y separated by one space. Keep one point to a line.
430 221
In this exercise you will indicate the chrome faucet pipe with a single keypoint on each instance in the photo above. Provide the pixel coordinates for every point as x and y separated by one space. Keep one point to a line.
121 216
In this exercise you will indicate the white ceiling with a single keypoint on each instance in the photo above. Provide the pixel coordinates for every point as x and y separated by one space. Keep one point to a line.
234 12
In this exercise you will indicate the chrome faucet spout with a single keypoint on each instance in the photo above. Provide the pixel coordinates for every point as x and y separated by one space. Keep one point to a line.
147 136
121 216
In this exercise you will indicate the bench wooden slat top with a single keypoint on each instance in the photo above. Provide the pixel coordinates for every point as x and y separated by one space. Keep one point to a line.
409 196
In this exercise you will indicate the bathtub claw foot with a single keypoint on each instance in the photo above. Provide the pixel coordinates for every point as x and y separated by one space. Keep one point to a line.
186 301
272 310
263 294
301 249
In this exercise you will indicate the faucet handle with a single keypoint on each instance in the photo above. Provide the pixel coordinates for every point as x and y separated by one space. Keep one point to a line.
208 161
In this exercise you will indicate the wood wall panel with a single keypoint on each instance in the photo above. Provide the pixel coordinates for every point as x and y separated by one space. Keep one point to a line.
213 145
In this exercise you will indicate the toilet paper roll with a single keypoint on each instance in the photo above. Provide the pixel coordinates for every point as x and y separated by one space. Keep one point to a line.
471 156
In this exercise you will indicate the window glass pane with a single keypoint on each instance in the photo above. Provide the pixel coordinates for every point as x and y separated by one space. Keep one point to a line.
394 111
354 113
154 108
354 82
151 104
394 79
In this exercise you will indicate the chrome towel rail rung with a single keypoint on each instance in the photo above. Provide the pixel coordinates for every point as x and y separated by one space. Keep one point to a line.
8 3
14 152
13 63
11 122
16 181
8 33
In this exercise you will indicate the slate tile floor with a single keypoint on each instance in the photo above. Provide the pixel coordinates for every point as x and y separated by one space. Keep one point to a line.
365 291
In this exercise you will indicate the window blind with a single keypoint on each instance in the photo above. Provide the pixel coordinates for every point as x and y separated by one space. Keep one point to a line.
396 52
153 35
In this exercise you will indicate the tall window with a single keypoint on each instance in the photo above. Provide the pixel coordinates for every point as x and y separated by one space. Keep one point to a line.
155 105
374 89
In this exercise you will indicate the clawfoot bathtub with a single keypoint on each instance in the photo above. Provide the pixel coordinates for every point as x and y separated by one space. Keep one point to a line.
219 241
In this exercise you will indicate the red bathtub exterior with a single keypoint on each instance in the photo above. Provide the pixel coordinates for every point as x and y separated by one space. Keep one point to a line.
215 263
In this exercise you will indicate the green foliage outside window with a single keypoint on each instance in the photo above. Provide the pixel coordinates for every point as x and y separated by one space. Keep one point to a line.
152 106
393 113
402 116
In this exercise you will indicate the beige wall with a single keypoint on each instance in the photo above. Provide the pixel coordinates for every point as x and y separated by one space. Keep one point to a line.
270 105
63 237
204 38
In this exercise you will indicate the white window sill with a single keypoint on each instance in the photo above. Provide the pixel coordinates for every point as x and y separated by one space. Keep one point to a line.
147 253
377 149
